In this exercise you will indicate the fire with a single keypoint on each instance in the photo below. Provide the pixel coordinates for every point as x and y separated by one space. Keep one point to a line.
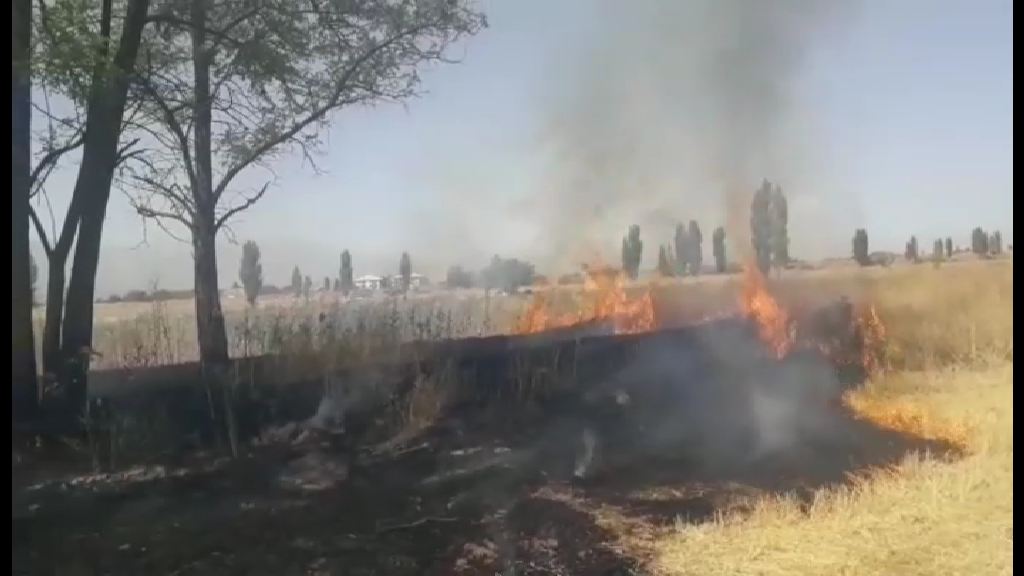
539 317
872 334
604 297
904 416
605 288
772 320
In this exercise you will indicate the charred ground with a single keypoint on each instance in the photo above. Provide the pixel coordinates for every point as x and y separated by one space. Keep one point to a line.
686 424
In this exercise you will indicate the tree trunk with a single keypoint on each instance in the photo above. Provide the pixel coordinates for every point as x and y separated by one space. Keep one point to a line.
107 100
24 392
76 336
54 314
212 334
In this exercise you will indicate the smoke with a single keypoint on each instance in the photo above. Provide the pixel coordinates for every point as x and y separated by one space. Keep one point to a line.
717 400
678 111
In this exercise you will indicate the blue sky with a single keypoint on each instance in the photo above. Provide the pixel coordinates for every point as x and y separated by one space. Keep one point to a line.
567 121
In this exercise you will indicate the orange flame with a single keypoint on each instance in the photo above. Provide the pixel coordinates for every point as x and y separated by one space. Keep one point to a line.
606 288
872 334
539 317
773 324
605 298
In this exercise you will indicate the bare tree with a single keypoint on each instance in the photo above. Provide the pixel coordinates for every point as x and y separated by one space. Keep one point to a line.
247 81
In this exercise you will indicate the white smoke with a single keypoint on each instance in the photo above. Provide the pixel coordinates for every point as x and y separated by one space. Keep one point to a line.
678 111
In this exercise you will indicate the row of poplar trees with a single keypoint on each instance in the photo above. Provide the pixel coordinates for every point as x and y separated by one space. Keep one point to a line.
251 274
982 244
683 257
769 215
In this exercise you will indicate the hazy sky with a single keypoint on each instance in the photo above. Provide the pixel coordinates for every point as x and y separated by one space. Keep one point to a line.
567 121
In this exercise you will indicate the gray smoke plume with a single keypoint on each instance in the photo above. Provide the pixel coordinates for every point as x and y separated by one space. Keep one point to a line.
678 111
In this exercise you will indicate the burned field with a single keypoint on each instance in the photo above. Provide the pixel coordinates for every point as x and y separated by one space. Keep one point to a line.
555 452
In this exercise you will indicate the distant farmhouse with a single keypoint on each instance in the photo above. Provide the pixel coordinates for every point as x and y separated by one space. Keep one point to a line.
369 282
373 283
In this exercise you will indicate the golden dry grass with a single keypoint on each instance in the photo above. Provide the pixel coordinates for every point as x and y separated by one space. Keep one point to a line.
935 316
954 326
925 516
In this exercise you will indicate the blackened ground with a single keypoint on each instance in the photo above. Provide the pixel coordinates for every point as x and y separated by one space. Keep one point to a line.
460 499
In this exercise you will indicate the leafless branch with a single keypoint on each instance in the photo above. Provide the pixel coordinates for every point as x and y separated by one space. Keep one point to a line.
229 233
124 154
49 210
169 233
171 121
122 158
149 212
40 232
246 204
170 192
50 159
308 157
313 116
50 116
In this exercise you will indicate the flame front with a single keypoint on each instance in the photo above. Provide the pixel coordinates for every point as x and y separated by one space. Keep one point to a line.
539 317
773 326
872 335
606 289
605 298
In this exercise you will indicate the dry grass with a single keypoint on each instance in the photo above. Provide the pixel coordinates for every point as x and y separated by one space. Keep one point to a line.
925 516
427 401
935 316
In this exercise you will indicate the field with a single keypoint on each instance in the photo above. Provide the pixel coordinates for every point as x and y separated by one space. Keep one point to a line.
155 333
923 516
937 498
951 336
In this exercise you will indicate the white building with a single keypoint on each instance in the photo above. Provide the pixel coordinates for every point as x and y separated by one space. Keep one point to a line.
369 282
374 283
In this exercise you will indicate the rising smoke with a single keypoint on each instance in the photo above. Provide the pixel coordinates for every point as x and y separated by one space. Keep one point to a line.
678 111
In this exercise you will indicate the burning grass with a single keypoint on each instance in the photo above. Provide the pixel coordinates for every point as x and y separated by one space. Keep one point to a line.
924 515
604 298
953 328
957 313
772 320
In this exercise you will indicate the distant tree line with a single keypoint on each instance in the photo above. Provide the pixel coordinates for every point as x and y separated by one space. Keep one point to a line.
507 274
683 257
982 244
